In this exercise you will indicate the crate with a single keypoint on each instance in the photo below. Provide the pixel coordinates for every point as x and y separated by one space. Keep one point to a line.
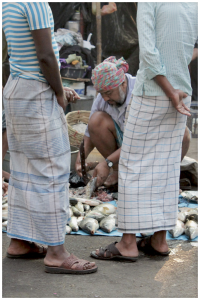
72 73
85 103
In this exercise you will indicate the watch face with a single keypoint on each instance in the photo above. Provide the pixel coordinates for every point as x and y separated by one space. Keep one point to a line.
110 164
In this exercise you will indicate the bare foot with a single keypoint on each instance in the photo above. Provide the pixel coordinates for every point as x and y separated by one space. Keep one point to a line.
112 179
18 247
158 244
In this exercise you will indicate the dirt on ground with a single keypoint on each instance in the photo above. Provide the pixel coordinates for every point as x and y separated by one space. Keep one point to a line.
174 276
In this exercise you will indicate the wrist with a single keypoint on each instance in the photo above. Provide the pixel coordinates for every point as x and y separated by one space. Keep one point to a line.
109 163
170 93
60 93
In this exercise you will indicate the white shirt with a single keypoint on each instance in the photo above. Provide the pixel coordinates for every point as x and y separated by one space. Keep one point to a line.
116 113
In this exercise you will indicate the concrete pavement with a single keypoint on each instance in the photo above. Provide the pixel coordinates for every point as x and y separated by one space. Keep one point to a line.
156 277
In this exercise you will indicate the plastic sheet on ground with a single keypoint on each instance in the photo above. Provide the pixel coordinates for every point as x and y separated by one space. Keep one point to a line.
182 202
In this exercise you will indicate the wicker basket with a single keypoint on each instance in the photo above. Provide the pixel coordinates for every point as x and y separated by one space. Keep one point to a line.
74 117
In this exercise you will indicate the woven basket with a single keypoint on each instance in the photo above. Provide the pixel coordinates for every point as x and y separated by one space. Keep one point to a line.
73 118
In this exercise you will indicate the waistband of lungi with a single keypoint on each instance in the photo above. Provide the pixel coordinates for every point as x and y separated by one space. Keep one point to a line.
119 139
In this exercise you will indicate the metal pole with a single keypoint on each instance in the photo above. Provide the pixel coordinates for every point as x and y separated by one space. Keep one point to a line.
98 24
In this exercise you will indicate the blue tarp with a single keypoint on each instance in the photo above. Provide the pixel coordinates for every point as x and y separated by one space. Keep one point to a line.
182 202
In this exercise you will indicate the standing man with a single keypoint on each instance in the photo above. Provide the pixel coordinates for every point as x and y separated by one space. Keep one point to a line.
149 166
38 205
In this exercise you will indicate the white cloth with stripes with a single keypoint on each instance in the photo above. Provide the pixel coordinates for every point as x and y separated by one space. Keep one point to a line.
38 204
149 165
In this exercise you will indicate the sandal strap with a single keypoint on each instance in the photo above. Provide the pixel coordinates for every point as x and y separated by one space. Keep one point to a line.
109 251
73 260
41 248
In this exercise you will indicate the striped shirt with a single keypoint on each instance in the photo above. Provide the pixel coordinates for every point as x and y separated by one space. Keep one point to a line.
19 19
167 33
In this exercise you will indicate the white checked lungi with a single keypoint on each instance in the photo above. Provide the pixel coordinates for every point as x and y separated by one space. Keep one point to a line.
38 204
149 166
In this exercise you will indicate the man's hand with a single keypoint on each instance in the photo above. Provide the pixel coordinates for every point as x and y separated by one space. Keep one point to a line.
101 172
78 168
176 96
88 166
71 95
5 188
177 101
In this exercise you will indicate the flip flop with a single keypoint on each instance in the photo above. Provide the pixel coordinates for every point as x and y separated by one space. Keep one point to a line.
148 249
112 253
30 255
66 267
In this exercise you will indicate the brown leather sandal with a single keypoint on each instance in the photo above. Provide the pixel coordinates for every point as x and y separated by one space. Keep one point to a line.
112 253
66 266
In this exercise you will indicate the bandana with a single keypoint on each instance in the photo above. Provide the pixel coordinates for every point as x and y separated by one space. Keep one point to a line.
109 74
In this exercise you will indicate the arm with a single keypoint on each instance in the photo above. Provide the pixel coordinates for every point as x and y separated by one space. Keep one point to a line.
48 62
195 54
146 22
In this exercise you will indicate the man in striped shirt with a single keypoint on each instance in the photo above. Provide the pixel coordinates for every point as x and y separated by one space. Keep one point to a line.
34 99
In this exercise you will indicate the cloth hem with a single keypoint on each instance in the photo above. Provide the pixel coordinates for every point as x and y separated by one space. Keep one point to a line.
33 240
131 231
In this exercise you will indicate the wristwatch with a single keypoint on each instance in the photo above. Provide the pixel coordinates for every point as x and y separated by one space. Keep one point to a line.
109 163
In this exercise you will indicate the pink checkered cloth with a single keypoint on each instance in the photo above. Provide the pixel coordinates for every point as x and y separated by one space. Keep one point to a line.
109 74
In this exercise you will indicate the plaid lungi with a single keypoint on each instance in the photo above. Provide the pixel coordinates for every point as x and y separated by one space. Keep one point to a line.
149 166
38 204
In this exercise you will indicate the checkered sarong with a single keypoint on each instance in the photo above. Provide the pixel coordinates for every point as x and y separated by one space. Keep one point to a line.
38 205
149 165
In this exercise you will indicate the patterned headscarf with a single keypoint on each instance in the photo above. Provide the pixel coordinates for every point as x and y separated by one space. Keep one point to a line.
109 74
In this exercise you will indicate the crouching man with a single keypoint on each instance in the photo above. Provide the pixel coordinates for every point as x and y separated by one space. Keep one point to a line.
107 118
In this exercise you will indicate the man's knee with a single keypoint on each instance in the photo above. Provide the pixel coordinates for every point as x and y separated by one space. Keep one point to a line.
187 136
99 121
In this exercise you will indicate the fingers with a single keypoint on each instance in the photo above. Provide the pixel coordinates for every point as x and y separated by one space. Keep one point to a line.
76 96
79 173
99 182
187 108
183 111
78 170
71 95
185 95
94 173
